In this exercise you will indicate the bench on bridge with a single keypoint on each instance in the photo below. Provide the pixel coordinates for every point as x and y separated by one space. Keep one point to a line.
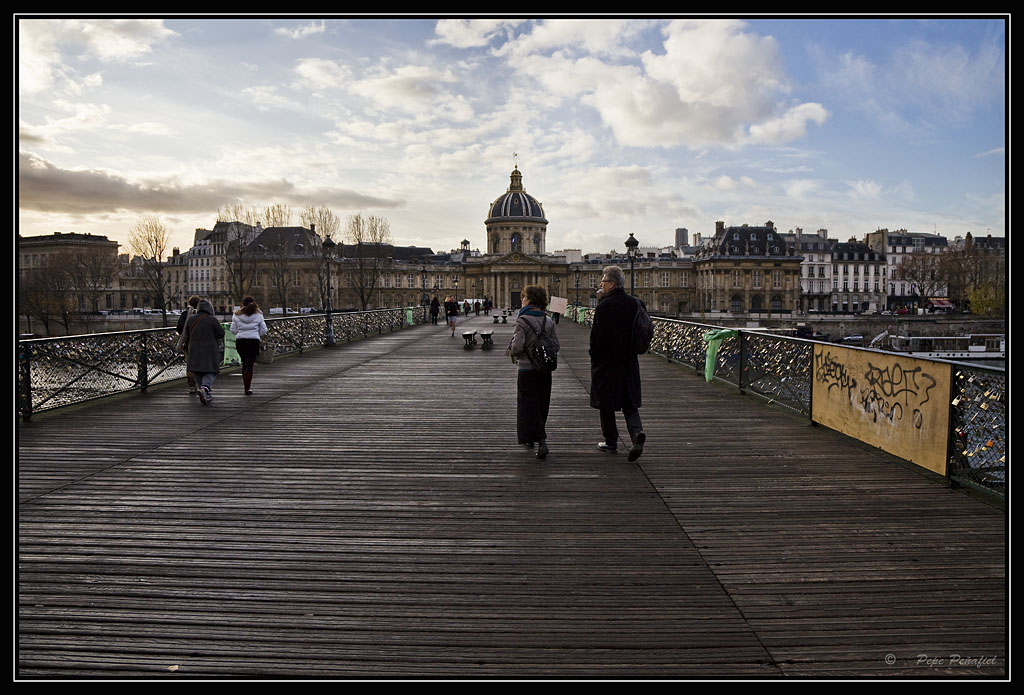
470 338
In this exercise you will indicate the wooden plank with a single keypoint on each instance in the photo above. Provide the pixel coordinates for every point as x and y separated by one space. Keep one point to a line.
367 513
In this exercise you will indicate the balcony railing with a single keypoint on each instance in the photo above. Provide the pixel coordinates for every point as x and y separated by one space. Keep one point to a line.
57 372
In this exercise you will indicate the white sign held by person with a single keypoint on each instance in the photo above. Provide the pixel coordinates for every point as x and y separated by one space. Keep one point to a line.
558 305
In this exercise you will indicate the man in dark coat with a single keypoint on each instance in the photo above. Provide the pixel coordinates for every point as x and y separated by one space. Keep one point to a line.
205 352
614 368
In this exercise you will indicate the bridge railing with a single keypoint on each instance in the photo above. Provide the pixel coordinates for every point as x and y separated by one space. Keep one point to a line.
781 370
57 372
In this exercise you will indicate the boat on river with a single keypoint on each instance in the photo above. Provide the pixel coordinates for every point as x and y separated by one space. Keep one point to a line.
977 346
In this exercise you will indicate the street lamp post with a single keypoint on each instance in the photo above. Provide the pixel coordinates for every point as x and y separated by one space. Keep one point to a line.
328 252
576 277
631 245
424 299
456 288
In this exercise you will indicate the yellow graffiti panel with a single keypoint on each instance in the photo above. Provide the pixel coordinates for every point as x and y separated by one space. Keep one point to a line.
899 404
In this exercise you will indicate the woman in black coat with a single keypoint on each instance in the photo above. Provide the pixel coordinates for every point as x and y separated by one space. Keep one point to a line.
614 368
435 309
205 338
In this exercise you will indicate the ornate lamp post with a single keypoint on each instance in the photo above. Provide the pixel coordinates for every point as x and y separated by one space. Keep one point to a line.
576 276
328 253
631 245
456 288
424 299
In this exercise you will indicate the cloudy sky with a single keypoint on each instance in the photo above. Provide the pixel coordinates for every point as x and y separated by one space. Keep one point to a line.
620 125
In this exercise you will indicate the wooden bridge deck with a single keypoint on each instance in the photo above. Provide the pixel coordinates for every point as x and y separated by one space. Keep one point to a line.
368 514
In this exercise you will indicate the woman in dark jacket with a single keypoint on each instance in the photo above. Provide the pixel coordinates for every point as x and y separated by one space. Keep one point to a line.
533 398
435 309
205 351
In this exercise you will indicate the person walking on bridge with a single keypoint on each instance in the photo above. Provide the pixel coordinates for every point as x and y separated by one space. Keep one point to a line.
451 312
204 338
533 392
248 326
435 309
190 311
614 368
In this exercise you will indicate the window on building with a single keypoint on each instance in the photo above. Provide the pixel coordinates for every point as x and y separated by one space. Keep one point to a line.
757 279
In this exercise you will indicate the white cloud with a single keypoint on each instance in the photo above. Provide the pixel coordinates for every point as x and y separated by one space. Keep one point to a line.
84 117
713 84
118 39
800 189
865 189
322 74
404 84
604 37
302 32
266 97
998 152
916 84
44 45
469 33
792 125
150 128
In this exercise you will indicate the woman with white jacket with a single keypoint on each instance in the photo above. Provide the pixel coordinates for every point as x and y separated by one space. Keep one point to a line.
248 326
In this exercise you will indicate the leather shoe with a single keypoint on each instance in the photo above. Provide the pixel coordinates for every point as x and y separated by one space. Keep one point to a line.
604 446
638 447
542 450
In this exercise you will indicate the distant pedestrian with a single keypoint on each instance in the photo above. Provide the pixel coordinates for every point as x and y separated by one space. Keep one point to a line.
205 340
451 313
248 326
614 368
190 311
487 306
435 309
476 307
533 385
465 307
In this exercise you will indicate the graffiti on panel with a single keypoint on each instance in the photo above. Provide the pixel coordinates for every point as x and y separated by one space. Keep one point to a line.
892 401
833 373
893 391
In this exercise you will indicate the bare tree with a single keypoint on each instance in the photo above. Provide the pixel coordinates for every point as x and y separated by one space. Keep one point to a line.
92 272
975 274
326 225
276 215
370 239
46 293
923 271
148 239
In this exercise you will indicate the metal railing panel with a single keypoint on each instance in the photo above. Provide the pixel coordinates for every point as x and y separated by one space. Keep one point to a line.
978 428
56 372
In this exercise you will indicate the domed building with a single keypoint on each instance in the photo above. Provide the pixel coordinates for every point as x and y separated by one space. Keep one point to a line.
515 221
516 230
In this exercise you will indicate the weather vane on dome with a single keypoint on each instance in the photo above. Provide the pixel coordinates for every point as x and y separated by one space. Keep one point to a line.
515 159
